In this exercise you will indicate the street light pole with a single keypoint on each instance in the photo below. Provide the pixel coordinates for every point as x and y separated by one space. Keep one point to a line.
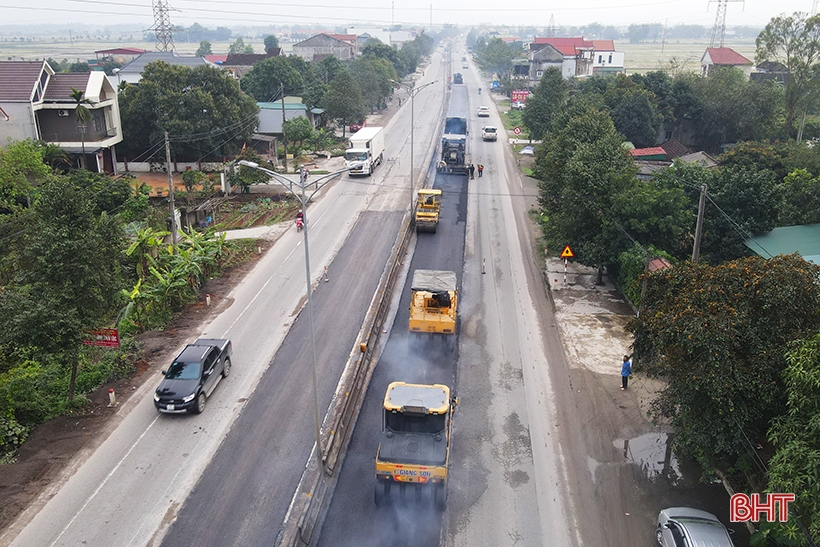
303 197
412 90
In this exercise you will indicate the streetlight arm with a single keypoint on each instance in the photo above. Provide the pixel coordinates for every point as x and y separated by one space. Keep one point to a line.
289 184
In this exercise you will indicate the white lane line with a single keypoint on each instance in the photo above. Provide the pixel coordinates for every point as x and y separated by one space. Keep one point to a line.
105 481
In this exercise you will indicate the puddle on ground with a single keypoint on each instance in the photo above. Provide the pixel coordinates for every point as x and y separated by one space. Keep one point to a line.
652 453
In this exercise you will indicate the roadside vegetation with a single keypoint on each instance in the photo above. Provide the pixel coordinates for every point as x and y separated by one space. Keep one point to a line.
734 335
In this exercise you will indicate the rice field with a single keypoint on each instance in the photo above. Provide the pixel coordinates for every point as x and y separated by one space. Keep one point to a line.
645 57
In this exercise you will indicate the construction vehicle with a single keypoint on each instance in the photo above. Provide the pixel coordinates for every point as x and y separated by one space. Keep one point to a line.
428 207
433 302
458 78
454 156
414 452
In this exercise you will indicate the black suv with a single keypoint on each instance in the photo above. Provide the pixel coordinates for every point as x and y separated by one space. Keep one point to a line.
193 376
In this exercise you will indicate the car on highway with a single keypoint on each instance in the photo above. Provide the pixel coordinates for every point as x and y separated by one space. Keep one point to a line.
687 527
489 133
193 376
464 65
518 105
483 112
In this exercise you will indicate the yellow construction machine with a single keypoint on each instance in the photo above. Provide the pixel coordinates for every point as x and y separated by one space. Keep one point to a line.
414 451
428 207
433 302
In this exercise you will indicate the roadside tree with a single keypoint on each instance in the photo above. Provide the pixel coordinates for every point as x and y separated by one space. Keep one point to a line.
799 199
495 56
264 80
297 130
718 336
69 275
545 103
203 109
343 100
375 76
21 170
795 434
794 42
581 166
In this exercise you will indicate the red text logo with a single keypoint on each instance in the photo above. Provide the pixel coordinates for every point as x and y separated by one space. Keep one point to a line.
743 508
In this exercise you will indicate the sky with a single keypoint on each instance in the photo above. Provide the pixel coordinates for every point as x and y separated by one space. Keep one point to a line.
340 13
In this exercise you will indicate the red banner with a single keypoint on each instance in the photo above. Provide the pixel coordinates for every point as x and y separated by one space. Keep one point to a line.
107 338
520 95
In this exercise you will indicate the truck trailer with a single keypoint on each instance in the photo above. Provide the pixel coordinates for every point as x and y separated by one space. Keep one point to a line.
414 451
366 151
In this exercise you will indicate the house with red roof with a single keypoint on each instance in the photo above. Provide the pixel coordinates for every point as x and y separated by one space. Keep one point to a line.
575 57
724 57
36 103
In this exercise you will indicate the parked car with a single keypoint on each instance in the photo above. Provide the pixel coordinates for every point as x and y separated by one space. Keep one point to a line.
518 105
483 112
193 376
687 527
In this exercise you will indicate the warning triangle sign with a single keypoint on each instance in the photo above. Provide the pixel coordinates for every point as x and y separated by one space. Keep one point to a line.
567 252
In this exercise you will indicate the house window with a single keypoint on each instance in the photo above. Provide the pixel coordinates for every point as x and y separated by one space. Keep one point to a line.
539 73
600 59
97 123
610 58
668 135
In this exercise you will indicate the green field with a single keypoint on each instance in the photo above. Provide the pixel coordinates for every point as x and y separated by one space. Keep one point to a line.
75 50
645 57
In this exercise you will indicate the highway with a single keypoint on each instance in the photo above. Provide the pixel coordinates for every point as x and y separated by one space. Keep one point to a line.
135 486
507 484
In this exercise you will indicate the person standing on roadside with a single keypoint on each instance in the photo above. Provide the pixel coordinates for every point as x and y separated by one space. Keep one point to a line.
480 170
472 171
626 372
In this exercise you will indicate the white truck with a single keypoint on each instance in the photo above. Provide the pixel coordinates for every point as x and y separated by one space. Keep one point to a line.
366 151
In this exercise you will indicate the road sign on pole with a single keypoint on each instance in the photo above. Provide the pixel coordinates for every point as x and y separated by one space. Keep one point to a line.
517 130
567 252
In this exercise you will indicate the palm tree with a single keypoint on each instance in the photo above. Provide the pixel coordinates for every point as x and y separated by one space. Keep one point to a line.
82 115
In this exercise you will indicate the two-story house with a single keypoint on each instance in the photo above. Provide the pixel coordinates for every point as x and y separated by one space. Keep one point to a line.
575 57
320 46
38 105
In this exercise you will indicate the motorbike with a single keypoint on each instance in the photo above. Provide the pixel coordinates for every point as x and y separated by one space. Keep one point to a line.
479 91
300 223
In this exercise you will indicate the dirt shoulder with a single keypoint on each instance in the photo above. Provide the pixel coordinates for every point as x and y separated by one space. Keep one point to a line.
45 459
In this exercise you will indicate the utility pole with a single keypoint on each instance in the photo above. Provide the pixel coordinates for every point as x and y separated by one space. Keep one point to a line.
284 139
171 192
699 225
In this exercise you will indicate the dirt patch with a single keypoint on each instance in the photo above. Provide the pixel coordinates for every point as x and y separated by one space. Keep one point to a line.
45 456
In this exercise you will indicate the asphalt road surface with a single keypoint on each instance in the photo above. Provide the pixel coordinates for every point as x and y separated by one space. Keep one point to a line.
353 519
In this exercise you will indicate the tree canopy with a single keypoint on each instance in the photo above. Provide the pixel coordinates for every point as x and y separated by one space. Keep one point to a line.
202 109
343 100
718 335
545 103
264 80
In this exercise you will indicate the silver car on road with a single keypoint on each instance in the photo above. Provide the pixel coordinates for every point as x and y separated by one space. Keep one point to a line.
687 527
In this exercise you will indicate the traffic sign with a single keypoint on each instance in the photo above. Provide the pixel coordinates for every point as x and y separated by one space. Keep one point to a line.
517 130
567 252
